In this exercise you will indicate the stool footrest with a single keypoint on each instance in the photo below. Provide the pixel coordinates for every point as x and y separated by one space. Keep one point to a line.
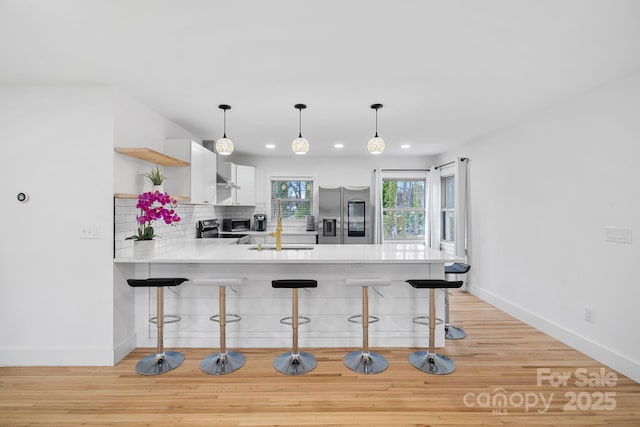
230 318
357 318
173 318
302 320
424 320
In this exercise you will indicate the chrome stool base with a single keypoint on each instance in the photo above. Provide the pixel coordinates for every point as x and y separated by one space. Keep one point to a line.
156 364
295 363
220 364
432 363
365 363
454 333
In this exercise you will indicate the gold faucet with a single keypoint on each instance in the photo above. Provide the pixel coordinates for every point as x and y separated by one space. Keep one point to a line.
278 233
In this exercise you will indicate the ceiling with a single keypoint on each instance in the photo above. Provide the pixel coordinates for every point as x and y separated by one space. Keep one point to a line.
446 71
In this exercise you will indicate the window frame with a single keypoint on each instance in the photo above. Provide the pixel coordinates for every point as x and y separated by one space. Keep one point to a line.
445 211
271 202
406 176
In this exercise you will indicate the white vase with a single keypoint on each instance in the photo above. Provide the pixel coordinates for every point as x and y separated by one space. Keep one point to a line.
144 249
158 188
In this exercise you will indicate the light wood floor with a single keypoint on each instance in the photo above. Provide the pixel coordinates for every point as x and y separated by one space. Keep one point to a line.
500 357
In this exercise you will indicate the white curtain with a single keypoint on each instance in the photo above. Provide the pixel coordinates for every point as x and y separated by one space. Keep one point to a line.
435 217
460 203
376 206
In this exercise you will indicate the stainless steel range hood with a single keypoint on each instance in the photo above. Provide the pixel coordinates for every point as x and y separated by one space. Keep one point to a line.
225 174
222 180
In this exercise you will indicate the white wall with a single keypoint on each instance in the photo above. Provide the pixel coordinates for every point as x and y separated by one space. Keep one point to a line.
330 171
541 194
63 301
56 305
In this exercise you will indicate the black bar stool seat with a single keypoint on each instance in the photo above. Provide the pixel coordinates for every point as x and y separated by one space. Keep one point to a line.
452 332
294 362
430 361
162 361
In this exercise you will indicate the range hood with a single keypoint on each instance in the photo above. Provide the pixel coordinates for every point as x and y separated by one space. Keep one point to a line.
226 170
222 180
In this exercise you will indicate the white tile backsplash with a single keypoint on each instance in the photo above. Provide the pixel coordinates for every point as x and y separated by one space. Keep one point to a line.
125 224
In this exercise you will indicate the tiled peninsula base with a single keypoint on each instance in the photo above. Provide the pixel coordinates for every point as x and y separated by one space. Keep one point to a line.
261 307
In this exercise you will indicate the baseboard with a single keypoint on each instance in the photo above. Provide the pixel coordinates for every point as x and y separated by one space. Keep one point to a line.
614 360
13 356
125 347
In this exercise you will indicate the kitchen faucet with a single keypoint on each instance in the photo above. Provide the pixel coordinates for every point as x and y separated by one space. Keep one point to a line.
278 233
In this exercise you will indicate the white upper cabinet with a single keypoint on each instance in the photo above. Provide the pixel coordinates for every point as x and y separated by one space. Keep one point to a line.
246 180
237 184
198 181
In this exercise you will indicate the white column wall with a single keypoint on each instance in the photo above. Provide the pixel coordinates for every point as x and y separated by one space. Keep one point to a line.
62 300
56 304
542 192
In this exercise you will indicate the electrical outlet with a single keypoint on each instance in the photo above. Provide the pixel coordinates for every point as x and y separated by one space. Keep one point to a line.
90 231
589 314
618 234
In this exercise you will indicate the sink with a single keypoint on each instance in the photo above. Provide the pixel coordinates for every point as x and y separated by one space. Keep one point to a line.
285 247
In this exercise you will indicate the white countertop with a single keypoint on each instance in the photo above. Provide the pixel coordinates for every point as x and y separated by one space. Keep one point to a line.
285 232
211 251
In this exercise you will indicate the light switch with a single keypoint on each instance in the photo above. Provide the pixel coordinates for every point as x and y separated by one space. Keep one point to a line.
90 231
618 234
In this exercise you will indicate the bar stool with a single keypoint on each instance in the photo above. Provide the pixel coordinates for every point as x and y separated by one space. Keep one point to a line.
222 362
430 361
364 361
294 362
452 332
162 361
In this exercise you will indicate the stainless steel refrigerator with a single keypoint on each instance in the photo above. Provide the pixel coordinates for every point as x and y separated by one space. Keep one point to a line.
344 215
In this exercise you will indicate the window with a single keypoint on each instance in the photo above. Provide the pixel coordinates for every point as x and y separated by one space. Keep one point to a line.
448 209
403 209
296 195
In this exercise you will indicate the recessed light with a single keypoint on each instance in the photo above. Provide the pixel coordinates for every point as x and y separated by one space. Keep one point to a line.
405 146
338 145
270 146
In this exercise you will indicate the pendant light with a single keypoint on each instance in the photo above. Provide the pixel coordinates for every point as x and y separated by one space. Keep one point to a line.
224 146
300 145
376 144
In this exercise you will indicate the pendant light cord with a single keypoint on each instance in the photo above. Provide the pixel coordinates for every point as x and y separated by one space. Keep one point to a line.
300 123
376 122
224 134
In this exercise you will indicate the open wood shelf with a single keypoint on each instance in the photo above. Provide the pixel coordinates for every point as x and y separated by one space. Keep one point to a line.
152 156
135 196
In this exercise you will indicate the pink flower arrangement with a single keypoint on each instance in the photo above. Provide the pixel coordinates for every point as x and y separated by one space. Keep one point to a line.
152 207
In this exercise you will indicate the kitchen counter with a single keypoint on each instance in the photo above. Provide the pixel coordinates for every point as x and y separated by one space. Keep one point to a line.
261 306
211 251
285 232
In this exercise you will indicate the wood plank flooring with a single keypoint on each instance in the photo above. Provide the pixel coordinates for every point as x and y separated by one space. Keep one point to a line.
500 358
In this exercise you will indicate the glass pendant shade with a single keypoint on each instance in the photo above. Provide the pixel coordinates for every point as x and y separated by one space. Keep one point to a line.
224 146
375 145
300 145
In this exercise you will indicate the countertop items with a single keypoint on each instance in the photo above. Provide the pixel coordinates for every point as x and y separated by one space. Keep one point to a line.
205 251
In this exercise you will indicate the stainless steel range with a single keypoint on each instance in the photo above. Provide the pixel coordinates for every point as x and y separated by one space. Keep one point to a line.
207 229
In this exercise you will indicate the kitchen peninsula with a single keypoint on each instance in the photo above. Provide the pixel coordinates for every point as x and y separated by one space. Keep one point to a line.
261 306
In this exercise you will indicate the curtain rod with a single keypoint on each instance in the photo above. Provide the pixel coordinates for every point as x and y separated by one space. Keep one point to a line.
462 159
404 170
